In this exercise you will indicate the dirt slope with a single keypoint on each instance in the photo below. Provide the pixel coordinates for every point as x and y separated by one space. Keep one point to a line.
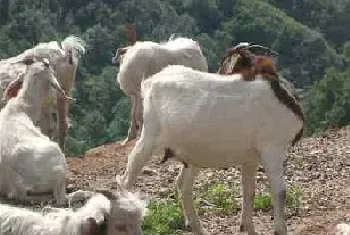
319 165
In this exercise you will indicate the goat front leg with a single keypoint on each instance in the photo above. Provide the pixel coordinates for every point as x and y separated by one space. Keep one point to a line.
248 191
184 183
132 132
59 192
140 154
272 159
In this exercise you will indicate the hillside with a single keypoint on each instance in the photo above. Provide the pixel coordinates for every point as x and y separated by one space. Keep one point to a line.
312 37
318 166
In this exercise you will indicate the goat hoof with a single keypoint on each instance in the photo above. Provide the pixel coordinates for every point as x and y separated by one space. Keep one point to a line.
124 142
188 228
242 228
280 233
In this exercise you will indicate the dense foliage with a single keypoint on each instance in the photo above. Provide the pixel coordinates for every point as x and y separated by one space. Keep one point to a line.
311 37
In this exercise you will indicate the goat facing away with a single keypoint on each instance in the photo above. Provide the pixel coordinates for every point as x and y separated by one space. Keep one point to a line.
146 58
30 163
218 121
104 213
63 57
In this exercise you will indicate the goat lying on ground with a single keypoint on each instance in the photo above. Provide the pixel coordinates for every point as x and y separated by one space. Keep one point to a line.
218 121
144 59
29 161
117 213
64 59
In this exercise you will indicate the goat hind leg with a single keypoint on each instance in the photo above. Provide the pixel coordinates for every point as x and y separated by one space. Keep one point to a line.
273 163
184 182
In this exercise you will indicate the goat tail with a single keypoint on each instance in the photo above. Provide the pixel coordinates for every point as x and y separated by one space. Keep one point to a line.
75 46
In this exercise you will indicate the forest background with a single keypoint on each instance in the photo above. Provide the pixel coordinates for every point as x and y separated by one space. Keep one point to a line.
312 37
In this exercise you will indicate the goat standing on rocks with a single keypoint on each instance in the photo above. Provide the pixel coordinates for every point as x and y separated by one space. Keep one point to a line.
218 121
30 163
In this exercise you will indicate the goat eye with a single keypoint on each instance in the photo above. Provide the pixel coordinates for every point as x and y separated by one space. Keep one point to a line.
120 227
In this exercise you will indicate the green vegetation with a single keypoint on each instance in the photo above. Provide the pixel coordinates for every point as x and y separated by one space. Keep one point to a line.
263 201
312 38
220 197
164 217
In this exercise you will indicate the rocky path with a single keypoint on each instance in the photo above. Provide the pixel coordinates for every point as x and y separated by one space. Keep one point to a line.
320 166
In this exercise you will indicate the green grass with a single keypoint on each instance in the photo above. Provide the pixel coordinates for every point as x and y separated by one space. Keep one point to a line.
166 216
263 201
221 199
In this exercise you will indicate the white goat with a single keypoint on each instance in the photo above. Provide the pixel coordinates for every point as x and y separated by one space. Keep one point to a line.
117 214
64 58
218 121
29 161
342 229
146 58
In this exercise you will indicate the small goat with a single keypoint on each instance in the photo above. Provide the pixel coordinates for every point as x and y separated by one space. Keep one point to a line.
146 58
29 161
218 121
117 213
64 59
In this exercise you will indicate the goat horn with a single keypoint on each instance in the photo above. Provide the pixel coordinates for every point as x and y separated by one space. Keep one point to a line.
107 193
172 36
61 91
130 33
26 60
264 48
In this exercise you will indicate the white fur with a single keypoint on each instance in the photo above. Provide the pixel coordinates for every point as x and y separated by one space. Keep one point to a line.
63 221
59 58
29 160
216 121
342 229
147 58
20 221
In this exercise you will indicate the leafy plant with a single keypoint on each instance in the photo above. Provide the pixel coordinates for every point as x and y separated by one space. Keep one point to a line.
219 197
164 217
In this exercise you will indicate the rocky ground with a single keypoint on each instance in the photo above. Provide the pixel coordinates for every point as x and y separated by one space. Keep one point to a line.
320 166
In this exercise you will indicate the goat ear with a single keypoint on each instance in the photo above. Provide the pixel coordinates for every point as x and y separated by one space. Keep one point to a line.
13 87
121 51
89 226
